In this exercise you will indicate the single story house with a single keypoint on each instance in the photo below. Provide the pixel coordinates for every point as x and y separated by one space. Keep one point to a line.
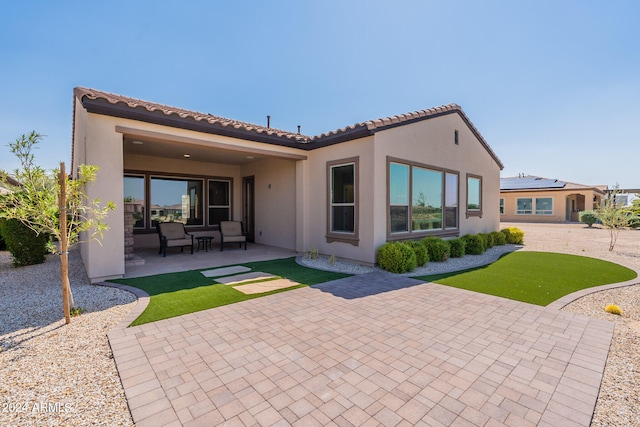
344 192
528 198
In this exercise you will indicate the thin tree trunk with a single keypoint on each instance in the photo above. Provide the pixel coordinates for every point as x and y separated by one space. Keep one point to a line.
64 254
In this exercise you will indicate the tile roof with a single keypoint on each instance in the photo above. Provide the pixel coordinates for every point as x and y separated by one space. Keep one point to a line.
122 106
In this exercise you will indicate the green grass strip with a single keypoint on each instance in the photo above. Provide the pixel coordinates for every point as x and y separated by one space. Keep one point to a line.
535 277
175 294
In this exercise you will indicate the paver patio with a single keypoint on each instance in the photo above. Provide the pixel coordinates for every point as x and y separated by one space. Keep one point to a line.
375 349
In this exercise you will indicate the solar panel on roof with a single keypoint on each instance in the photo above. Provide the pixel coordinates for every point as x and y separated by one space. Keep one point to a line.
529 183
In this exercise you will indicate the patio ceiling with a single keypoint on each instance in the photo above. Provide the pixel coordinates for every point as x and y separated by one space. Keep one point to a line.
145 143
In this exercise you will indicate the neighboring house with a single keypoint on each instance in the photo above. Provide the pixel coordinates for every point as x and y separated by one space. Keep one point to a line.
345 192
529 198
624 196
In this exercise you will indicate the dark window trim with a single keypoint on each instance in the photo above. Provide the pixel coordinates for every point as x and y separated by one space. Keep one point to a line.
205 188
474 212
412 234
332 236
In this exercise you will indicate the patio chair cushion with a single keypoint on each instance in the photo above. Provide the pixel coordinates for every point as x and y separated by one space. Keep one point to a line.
173 234
231 232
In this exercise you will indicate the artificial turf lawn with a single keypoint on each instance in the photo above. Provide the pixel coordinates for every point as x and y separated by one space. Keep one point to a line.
174 294
535 277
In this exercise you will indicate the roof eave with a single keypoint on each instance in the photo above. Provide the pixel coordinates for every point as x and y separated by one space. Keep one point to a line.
104 107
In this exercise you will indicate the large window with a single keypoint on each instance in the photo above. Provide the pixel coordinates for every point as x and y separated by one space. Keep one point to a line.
474 195
524 206
421 199
134 193
537 206
342 217
176 199
219 201
399 197
544 206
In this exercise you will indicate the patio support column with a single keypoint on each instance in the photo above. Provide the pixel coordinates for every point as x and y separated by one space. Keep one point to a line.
302 225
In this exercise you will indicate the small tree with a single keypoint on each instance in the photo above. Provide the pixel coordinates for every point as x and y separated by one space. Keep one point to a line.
613 217
52 203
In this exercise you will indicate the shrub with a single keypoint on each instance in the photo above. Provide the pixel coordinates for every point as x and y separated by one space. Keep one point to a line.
437 248
588 217
498 238
487 240
26 247
422 256
396 257
473 244
634 222
456 248
3 245
513 235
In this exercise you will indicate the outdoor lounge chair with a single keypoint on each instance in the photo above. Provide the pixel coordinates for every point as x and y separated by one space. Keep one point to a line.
231 231
173 234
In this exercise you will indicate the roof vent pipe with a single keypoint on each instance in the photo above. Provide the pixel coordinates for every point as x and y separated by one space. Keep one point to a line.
298 129
268 122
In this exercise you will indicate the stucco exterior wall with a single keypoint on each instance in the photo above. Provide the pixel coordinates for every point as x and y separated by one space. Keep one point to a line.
431 143
318 200
275 201
97 143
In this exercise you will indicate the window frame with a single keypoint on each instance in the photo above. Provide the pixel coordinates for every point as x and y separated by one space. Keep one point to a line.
144 198
210 206
520 211
331 236
149 175
501 205
537 211
474 212
409 233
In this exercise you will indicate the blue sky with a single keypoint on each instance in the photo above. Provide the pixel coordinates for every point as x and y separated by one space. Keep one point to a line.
553 86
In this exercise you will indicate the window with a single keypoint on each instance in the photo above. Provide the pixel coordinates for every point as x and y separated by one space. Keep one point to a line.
342 217
134 193
524 206
474 195
501 206
426 210
219 201
176 199
399 197
456 139
421 199
544 206
451 201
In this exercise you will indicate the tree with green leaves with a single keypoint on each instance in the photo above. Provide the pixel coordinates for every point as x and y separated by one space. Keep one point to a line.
51 202
613 216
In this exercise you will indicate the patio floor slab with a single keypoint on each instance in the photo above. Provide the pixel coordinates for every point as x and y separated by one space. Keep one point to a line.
267 286
225 271
366 350
246 277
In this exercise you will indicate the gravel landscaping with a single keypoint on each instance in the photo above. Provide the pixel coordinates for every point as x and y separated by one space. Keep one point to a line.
56 374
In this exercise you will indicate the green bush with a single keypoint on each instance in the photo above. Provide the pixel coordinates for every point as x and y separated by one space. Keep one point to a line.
422 256
498 238
473 244
437 248
634 221
396 257
456 248
588 217
513 235
26 247
3 245
487 240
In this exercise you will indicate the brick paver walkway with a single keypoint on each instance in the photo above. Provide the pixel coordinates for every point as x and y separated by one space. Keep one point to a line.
368 350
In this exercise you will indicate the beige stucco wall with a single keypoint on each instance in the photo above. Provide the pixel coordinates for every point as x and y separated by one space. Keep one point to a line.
561 201
431 143
318 199
275 201
96 143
